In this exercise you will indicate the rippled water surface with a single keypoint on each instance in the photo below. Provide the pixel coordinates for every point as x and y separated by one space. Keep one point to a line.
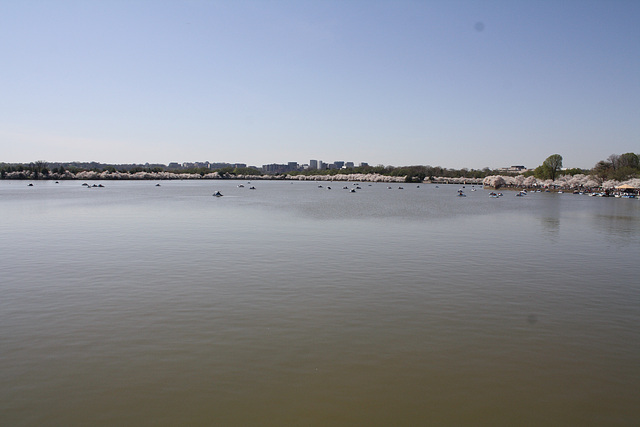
290 304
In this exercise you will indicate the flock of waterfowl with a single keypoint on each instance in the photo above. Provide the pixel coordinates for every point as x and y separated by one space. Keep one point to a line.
219 194
356 186
460 192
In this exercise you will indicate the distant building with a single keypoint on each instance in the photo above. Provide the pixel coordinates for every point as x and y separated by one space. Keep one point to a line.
349 165
219 165
313 164
513 169
274 168
364 165
205 165
338 164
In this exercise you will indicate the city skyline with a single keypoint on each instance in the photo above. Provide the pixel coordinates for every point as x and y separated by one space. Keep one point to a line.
468 84
312 164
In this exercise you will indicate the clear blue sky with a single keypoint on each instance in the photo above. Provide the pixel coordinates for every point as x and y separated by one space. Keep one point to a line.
451 83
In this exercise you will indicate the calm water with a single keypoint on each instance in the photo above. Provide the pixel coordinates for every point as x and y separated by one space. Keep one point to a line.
297 305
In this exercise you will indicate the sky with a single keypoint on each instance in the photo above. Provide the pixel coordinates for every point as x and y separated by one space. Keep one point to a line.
451 83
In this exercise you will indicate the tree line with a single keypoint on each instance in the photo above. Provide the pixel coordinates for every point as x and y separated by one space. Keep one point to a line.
43 170
615 167
618 167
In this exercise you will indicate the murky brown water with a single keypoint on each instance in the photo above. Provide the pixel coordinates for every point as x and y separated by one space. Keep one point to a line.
294 305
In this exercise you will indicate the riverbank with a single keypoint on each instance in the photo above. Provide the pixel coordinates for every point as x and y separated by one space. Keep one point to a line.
159 176
567 183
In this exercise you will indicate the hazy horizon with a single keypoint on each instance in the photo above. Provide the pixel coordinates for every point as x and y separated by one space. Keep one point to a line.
260 165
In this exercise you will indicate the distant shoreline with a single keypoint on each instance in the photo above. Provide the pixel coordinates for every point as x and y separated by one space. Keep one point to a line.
169 176
579 183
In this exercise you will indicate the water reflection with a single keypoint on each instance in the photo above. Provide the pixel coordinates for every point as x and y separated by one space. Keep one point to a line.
621 228
551 224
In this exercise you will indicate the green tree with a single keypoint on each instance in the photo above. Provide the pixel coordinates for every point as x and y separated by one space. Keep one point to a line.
614 159
618 167
623 173
246 171
541 172
602 169
39 168
552 165
226 170
629 160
